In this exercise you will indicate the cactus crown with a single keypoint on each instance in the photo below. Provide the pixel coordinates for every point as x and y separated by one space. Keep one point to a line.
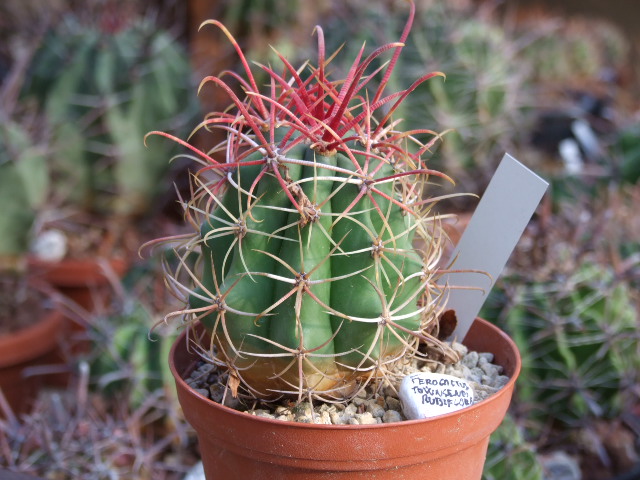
307 279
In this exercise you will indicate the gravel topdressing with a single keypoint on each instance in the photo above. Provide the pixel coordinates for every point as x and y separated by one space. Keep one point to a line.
372 405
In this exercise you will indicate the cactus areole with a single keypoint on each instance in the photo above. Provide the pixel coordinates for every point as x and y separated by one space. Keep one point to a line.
307 278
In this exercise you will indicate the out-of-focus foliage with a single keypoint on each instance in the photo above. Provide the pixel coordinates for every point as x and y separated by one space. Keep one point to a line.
578 337
103 85
628 148
509 456
128 358
24 183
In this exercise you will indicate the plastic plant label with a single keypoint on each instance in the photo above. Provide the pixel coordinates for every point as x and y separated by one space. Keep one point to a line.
426 394
509 202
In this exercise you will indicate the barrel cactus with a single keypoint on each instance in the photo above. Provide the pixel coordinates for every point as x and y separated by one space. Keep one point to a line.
307 278
577 334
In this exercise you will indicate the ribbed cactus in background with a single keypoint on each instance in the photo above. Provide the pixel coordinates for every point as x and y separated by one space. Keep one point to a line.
307 277
510 456
103 81
24 182
578 338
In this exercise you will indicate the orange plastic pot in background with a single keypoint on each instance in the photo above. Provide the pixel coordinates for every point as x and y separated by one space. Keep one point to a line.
88 285
30 347
449 447
84 280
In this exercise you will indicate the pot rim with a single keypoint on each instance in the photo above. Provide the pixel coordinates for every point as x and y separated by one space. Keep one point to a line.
31 342
505 390
75 272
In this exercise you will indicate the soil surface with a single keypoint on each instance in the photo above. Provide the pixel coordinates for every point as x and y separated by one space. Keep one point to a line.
377 403
21 305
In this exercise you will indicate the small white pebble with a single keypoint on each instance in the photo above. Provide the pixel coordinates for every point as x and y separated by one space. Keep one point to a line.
488 356
476 375
326 418
449 369
484 391
470 359
459 348
263 414
393 403
490 369
391 416
203 391
365 418
501 381
357 401
50 245
377 411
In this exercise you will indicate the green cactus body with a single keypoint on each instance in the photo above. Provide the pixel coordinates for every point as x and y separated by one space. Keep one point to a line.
577 334
312 286
308 282
24 184
301 323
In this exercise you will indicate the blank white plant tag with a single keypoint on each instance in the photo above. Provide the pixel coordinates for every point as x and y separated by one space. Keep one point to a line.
426 394
501 216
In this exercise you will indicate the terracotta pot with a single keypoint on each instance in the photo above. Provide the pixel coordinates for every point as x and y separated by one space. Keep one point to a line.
88 283
29 347
448 447
82 280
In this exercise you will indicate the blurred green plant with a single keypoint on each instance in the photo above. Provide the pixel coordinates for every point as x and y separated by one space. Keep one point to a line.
128 359
24 183
103 85
627 146
262 27
564 52
578 338
510 456
259 20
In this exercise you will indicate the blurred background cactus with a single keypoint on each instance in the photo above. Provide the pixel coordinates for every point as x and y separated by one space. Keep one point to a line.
128 361
510 456
627 148
24 183
103 82
570 300
578 336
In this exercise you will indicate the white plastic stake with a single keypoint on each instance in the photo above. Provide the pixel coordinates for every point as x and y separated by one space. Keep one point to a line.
491 235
